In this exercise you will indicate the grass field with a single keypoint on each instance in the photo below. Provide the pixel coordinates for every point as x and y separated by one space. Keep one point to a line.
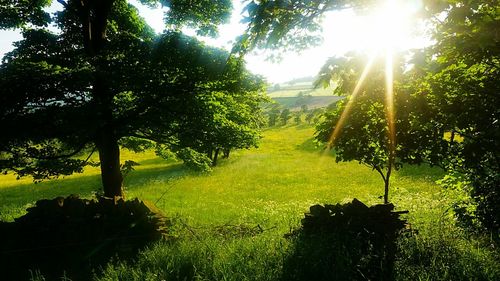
293 91
294 103
268 189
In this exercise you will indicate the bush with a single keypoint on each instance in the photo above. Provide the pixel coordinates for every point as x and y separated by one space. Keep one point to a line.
195 160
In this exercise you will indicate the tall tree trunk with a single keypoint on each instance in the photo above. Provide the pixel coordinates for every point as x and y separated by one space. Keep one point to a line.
107 140
109 156
93 17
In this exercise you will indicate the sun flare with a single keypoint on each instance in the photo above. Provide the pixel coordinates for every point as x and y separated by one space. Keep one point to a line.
390 29
389 26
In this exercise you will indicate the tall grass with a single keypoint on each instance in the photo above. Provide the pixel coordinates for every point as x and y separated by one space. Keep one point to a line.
230 224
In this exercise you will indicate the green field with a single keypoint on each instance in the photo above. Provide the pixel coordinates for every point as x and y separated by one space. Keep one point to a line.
269 189
294 103
293 91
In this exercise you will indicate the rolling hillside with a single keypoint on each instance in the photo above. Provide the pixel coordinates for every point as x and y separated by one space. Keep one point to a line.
298 92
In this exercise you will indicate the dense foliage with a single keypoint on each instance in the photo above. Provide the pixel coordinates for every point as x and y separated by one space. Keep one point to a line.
454 84
363 132
460 79
107 80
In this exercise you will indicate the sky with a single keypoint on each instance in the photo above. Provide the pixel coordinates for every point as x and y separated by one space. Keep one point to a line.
343 31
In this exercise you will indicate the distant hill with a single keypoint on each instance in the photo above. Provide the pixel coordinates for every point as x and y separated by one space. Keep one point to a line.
295 103
297 92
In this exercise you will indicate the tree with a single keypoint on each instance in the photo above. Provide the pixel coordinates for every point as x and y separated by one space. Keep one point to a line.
363 132
274 113
223 121
285 115
459 79
313 114
104 79
297 117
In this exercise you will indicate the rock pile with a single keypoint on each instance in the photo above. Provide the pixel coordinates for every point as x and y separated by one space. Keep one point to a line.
74 235
345 242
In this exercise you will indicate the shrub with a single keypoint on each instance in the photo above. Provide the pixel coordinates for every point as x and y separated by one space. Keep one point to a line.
195 160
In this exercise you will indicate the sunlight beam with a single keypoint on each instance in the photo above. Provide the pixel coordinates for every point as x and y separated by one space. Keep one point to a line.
389 99
347 109
389 111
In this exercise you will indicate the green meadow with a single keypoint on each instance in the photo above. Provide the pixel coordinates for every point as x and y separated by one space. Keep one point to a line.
231 224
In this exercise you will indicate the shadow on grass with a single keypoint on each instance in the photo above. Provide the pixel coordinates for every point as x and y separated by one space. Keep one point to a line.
136 179
445 255
310 146
15 198
85 185
344 242
418 172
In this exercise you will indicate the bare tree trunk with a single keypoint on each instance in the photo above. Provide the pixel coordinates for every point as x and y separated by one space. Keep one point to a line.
386 177
387 180
109 156
107 140
93 17
386 191
210 154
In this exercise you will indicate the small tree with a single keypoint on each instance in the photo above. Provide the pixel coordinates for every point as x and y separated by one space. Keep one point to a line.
297 118
285 116
219 122
274 114
365 134
312 114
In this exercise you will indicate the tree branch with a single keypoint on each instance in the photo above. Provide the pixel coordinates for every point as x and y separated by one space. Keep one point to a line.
380 172
65 5
78 150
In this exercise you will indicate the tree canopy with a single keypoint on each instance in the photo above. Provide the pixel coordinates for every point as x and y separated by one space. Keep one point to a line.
459 77
107 80
452 111
363 132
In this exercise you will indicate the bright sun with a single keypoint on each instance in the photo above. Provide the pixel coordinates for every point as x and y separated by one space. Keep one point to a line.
390 24
387 28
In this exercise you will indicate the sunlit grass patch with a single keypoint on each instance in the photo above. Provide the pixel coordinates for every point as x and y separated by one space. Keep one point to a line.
267 189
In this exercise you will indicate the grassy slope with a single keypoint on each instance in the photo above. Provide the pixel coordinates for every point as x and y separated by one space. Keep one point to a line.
271 187
288 96
293 91
312 102
286 173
